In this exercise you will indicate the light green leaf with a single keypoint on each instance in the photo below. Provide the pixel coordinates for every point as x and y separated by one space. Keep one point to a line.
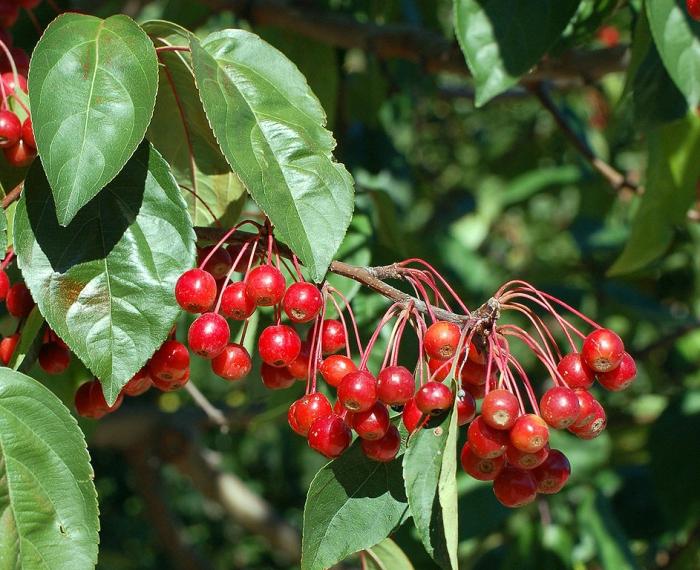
429 468
3 235
92 86
672 174
30 341
105 283
503 39
180 131
270 127
677 38
387 556
48 503
352 504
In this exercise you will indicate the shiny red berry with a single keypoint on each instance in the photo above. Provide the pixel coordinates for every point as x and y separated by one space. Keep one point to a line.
412 417
265 285
525 460
383 449
275 378
233 363
357 392
140 383
195 291
10 129
308 409
28 133
11 83
481 468
299 367
434 398
372 423
19 301
90 401
19 155
292 419
7 347
515 487
486 441
235 303
335 367
602 350
473 373
4 285
279 345
553 473
466 408
330 436
559 407
575 372
54 358
529 433
218 265
170 362
333 336
594 427
588 407
208 335
500 409
693 7
441 340
395 385
439 369
302 302
172 384
621 377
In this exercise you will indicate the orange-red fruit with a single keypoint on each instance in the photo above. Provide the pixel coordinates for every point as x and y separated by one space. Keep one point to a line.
621 377
441 340
412 417
170 362
302 302
500 409
208 335
90 401
530 433
140 382
524 460
335 367
235 303
553 473
485 441
575 372
308 409
333 336
372 423
54 358
478 467
383 449
299 367
195 291
395 385
279 345
275 378
466 408
515 487
172 384
233 363
594 427
434 398
602 350
265 285
559 407
20 154
7 347
4 285
357 392
330 436
19 301
693 7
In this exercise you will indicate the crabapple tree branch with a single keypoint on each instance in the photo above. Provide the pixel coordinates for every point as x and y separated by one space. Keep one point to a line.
410 43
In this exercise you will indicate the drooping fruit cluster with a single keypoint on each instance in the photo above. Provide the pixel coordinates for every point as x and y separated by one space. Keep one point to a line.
19 303
16 134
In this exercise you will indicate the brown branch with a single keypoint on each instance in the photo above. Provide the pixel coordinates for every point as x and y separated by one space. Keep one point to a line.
618 180
12 196
431 50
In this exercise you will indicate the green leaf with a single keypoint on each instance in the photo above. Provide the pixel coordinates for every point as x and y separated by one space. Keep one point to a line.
105 283
677 428
503 39
30 341
48 503
352 504
672 174
677 38
270 127
93 86
386 556
3 235
429 468
180 131
595 516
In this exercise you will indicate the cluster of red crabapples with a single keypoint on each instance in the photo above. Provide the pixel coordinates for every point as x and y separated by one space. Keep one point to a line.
16 135
462 358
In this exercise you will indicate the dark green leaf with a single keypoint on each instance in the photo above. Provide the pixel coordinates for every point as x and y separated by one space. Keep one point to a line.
270 127
48 504
673 473
429 468
181 133
93 86
387 556
105 283
677 38
672 174
352 504
503 39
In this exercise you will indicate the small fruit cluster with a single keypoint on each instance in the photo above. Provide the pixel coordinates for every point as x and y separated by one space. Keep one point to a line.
16 136
18 302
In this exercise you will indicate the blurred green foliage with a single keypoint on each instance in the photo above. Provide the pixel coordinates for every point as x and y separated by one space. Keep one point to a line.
485 196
